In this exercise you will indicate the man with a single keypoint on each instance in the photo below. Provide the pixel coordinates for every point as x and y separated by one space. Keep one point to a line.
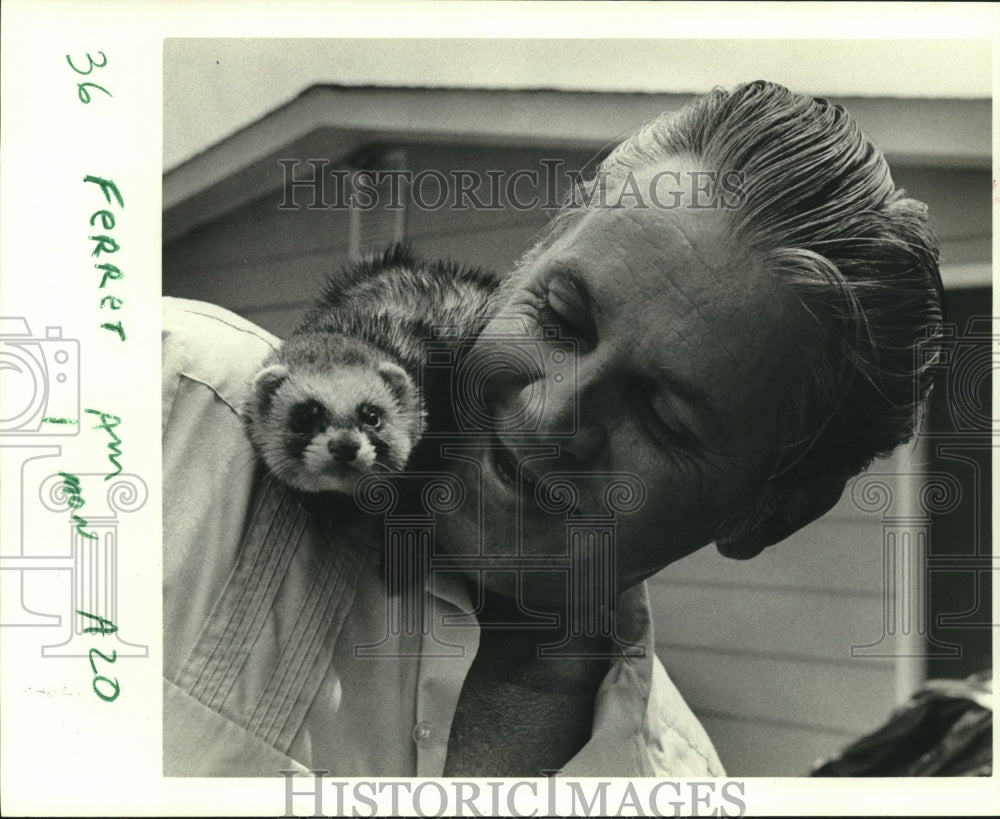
733 366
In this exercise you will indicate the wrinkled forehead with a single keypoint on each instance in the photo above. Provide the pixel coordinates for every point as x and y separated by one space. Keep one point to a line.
674 289
678 208
678 255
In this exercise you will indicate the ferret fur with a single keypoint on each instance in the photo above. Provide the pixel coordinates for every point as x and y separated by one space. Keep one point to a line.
356 357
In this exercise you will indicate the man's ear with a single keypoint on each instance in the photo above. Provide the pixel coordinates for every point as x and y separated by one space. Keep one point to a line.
797 506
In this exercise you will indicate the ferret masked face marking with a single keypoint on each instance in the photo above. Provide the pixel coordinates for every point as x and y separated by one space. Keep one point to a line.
320 431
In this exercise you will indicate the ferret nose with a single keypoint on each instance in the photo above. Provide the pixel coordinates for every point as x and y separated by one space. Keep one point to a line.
344 451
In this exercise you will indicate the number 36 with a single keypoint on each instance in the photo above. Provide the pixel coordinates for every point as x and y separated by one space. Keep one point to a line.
82 91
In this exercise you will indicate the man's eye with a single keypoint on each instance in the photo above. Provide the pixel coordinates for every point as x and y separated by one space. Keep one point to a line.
665 433
569 314
549 316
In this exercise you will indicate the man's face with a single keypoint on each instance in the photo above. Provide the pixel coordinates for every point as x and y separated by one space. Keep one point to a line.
684 347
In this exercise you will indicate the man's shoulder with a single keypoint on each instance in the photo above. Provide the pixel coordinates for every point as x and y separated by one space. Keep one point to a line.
206 326
213 346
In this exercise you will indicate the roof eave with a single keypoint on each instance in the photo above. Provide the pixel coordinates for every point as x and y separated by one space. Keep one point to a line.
330 122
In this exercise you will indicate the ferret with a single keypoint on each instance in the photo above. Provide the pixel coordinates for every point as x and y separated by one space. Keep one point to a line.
343 395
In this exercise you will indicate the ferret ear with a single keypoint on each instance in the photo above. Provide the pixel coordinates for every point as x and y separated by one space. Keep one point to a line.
398 381
267 382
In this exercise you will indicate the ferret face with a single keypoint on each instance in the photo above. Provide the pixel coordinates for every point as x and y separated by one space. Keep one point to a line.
321 431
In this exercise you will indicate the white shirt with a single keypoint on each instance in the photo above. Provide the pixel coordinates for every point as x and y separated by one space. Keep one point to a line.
281 648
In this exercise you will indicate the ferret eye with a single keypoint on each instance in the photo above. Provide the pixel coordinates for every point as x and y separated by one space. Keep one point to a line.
308 416
370 417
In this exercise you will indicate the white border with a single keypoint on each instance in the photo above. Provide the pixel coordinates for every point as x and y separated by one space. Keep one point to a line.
66 753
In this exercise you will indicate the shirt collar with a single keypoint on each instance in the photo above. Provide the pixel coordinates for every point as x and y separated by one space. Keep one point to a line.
616 746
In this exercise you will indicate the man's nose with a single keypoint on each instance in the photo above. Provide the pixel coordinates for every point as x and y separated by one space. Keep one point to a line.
575 412
565 408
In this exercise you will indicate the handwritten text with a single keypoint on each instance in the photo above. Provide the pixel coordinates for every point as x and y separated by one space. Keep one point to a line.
108 423
107 688
74 499
105 244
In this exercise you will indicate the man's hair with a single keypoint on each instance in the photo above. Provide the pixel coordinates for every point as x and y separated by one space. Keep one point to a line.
819 207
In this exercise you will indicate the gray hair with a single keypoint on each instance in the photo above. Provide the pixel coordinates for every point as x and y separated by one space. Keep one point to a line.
820 208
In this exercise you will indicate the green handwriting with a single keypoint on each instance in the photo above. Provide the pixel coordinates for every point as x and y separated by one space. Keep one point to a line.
74 499
81 88
111 687
108 423
104 244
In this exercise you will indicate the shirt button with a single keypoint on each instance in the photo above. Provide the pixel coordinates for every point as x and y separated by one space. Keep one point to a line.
422 732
